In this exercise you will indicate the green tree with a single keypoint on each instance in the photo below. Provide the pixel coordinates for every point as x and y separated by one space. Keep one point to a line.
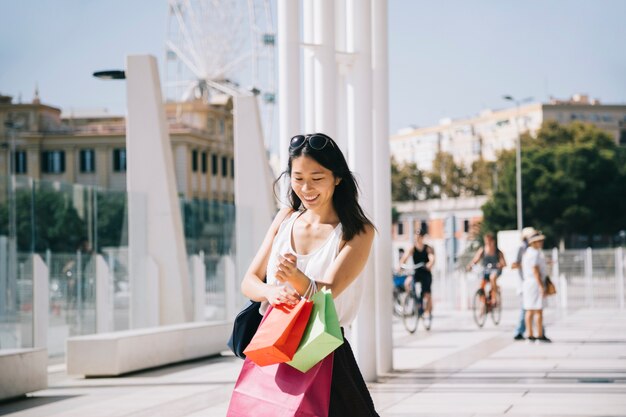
574 182
45 219
409 183
447 177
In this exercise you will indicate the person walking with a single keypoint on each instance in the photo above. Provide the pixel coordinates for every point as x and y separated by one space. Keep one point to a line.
521 327
534 270
322 240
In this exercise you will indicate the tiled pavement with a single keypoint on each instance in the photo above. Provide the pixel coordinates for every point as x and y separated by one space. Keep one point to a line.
454 370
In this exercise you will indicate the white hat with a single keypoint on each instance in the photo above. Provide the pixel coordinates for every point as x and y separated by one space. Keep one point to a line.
528 232
536 237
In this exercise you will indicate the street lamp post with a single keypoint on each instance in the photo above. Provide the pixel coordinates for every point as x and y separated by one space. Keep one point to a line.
518 160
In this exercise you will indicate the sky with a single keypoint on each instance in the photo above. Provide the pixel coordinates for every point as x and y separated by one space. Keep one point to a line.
447 59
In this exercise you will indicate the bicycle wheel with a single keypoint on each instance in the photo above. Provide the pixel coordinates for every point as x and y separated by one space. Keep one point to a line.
409 316
479 307
398 302
496 309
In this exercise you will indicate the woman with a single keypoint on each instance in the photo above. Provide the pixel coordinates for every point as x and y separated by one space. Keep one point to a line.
322 240
534 271
425 255
493 262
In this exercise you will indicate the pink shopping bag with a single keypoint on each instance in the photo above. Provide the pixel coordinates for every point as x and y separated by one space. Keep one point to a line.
282 391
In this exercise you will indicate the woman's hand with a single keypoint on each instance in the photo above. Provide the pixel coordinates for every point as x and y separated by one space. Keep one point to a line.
281 295
287 268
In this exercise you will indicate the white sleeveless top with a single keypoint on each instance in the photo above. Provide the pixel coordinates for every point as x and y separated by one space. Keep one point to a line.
314 265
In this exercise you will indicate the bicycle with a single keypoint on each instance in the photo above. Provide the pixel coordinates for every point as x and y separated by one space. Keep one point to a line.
483 305
413 307
398 293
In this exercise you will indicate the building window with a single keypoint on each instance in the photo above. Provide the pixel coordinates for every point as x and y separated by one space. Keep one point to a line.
214 164
203 162
194 161
19 162
400 228
87 160
424 226
119 160
222 126
53 162
466 226
232 168
224 166
622 137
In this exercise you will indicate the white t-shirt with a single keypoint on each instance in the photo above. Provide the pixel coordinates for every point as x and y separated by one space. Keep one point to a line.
533 257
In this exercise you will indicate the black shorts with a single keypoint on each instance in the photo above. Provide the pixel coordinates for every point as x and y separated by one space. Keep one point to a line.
425 280
487 273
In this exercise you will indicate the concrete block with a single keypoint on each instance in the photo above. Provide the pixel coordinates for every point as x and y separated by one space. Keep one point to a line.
116 353
22 371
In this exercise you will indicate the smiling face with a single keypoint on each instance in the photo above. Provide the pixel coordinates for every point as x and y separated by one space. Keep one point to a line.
312 183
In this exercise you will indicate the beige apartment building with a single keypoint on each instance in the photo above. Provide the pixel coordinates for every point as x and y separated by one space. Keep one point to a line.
491 131
91 150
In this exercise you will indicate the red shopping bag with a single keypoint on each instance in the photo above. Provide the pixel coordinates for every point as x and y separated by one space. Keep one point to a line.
282 391
279 334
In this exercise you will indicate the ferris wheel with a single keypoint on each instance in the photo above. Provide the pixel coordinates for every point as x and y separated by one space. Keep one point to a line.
222 46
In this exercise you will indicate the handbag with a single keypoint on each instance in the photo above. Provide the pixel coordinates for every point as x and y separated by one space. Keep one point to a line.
279 335
282 391
550 288
322 335
245 326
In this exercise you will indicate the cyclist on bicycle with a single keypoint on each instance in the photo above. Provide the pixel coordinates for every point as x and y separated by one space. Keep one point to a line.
493 262
425 255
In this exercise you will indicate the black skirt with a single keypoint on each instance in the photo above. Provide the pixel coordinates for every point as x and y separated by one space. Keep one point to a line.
349 396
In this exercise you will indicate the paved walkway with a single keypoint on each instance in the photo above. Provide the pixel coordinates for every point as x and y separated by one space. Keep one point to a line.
454 370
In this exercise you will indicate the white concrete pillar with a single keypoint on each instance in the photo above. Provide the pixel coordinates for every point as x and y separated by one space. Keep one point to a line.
41 301
198 272
254 197
360 158
150 172
288 76
325 68
382 186
619 275
589 277
308 71
343 60
231 288
104 296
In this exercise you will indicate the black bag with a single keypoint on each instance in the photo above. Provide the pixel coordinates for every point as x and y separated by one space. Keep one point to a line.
245 326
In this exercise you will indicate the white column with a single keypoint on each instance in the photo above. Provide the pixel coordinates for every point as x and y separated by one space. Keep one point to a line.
104 296
589 277
325 68
341 133
150 172
360 150
198 272
254 197
382 186
309 64
619 275
288 75
41 301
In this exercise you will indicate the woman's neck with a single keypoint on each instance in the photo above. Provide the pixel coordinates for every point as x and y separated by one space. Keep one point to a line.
321 216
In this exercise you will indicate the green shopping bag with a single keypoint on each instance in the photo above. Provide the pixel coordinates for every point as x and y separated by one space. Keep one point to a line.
322 334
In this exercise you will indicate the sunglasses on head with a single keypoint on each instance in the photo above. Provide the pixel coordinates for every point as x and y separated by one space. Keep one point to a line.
317 141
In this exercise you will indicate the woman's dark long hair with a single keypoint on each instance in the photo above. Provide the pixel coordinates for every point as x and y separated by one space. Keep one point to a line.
346 194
